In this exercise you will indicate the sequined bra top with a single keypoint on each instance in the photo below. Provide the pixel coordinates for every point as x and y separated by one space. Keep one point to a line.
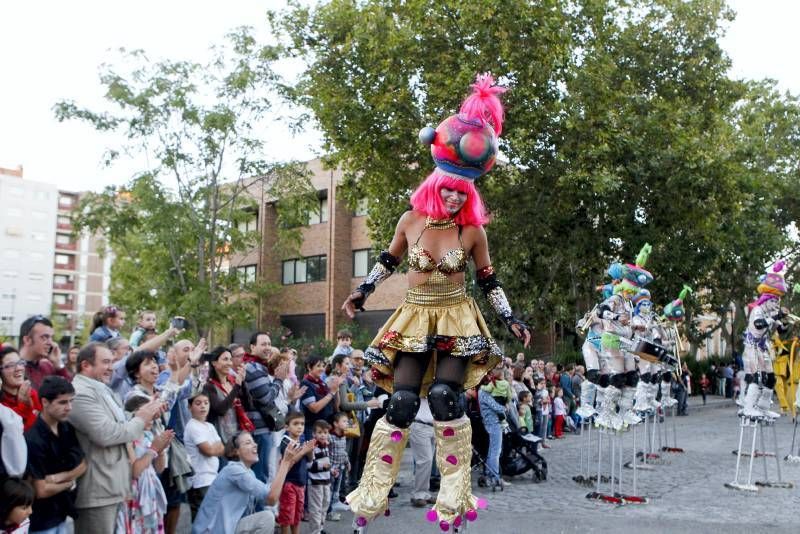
421 261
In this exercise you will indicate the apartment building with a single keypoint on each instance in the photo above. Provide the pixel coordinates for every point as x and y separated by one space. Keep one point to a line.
335 255
27 248
81 273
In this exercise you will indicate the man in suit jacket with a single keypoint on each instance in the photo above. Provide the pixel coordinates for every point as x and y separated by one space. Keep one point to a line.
103 433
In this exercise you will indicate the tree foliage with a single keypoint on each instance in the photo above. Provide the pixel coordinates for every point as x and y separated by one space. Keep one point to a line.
175 227
623 127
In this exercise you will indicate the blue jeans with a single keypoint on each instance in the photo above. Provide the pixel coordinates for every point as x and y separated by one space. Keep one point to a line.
58 529
337 483
261 467
495 447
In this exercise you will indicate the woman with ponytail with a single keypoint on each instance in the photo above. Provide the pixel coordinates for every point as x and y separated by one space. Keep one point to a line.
436 343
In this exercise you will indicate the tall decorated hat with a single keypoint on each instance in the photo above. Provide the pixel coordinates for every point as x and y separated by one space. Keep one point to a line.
643 295
636 274
772 283
464 145
674 311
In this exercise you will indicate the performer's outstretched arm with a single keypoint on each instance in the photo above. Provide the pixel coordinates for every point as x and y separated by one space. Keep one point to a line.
493 290
387 262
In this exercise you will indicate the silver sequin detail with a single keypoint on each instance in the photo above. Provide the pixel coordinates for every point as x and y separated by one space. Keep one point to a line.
497 298
378 274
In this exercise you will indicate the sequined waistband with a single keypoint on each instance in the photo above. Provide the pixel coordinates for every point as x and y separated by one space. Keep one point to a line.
437 291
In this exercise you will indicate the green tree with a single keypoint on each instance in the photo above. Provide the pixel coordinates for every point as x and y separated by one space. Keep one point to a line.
623 127
175 227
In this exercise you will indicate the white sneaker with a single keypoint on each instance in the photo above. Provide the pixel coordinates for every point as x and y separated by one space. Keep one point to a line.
340 507
333 516
505 483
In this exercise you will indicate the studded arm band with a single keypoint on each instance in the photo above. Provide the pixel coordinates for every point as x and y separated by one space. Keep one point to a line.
382 270
493 291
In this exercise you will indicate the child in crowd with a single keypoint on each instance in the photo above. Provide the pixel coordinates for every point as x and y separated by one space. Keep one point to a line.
147 455
542 402
501 391
145 322
293 493
107 323
340 464
525 401
204 447
16 506
559 413
319 477
344 341
705 386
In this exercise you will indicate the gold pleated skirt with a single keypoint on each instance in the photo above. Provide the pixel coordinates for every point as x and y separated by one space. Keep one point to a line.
436 317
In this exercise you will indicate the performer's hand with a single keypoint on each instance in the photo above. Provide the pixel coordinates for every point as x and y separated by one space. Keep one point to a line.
522 332
354 302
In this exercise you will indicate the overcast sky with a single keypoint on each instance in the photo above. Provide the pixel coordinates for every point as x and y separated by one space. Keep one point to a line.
51 50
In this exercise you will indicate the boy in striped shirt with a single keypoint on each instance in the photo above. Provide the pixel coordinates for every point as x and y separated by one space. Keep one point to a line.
319 477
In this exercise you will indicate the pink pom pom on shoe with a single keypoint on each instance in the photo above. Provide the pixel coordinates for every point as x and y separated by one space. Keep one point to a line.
432 516
387 458
397 436
361 521
448 432
471 515
451 459
482 504
444 526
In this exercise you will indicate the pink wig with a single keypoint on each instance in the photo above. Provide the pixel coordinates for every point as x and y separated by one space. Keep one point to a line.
484 102
428 200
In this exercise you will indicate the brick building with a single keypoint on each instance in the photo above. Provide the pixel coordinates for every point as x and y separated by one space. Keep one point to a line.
335 255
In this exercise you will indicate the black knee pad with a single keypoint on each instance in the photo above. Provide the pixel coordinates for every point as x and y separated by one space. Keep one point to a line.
593 376
646 378
403 407
443 400
655 378
749 378
769 381
631 378
618 380
666 376
605 381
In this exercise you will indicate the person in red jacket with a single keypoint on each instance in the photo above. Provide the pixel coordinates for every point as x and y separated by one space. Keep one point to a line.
17 392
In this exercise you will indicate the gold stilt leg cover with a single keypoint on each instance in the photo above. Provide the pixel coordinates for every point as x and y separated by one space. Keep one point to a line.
380 471
453 457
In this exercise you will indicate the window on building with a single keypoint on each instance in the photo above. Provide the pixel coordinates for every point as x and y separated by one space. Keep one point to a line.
62 259
15 191
65 200
250 224
38 236
61 279
41 195
63 239
64 219
320 214
11 253
14 212
361 207
363 260
35 276
247 273
10 274
34 297
15 231
302 270
59 298
38 215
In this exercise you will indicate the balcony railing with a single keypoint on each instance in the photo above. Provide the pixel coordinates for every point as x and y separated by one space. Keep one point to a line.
65 266
69 286
64 226
67 306
67 246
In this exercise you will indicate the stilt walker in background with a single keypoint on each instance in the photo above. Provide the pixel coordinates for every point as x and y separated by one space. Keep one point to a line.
755 415
436 343
765 318
672 316
597 378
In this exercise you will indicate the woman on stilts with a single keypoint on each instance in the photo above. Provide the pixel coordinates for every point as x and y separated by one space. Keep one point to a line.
436 343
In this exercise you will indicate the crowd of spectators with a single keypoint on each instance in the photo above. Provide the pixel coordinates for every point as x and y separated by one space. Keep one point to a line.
119 433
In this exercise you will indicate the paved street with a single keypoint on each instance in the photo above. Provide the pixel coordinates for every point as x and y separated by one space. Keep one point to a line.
687 493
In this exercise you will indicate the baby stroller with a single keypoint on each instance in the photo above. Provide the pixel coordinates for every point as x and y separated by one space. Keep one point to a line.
519 453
